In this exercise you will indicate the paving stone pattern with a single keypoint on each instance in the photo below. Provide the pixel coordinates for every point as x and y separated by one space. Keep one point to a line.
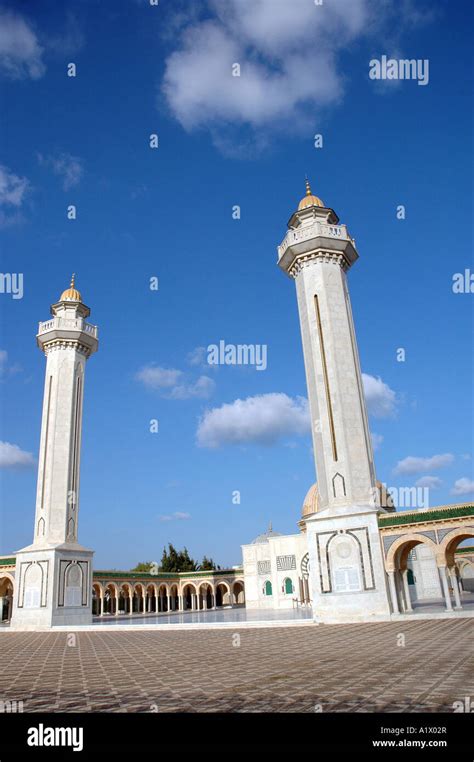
341 668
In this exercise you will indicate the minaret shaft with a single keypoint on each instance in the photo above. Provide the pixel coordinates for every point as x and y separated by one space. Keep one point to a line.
341 440
57 499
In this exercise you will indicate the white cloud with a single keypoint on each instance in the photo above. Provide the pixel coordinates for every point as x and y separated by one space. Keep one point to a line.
268 40
68 167
463 486
197 356
177 516
12 456
20 51
68 40
263 419
5 368
431 482
269 417
12 188
202 388
171 383
13 191
381 400
414 465
288 52
377 440
155 377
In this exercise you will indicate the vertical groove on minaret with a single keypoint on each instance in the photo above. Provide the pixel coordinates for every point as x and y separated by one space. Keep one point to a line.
46 435
326 379
360 388
75 437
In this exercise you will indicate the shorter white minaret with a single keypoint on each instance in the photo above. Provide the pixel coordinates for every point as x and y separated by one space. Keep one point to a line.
54 574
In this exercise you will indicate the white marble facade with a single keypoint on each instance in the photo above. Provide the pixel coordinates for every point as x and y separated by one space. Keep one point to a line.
276 571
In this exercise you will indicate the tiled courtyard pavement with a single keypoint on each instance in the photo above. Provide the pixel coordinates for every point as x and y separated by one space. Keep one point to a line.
344 668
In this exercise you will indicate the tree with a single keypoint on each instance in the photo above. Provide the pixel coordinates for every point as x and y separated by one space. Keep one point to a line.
143 567
169 560
207 564
186 563
174 560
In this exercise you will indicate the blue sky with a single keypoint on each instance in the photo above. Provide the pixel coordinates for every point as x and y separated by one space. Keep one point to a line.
167 212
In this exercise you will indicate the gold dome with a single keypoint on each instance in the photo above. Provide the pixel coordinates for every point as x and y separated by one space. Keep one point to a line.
71 294
311 502
308 199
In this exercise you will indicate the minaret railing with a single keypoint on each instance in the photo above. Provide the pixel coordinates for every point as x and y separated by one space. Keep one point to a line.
67 323
305 233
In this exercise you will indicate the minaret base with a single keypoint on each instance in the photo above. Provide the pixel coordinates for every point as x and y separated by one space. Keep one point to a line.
348 578
53 587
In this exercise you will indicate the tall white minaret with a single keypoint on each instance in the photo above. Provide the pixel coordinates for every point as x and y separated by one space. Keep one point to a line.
53 575
344 546
317 252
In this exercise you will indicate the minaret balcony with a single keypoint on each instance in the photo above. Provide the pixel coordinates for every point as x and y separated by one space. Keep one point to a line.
73 329
69 324
316 236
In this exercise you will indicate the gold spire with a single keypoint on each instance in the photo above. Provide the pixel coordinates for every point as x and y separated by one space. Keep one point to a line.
309 199
71 294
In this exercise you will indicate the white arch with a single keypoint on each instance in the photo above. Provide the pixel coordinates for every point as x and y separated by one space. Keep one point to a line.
111 584
189 584
223 582
461 532
7 575
206 584
406 539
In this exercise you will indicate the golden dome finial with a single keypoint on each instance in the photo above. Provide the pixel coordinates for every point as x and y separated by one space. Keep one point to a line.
309 199
71 294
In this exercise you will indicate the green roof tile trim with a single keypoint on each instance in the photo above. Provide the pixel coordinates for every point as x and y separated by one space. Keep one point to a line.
137 575
466 549
436 514
163 575
133 575
222 572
